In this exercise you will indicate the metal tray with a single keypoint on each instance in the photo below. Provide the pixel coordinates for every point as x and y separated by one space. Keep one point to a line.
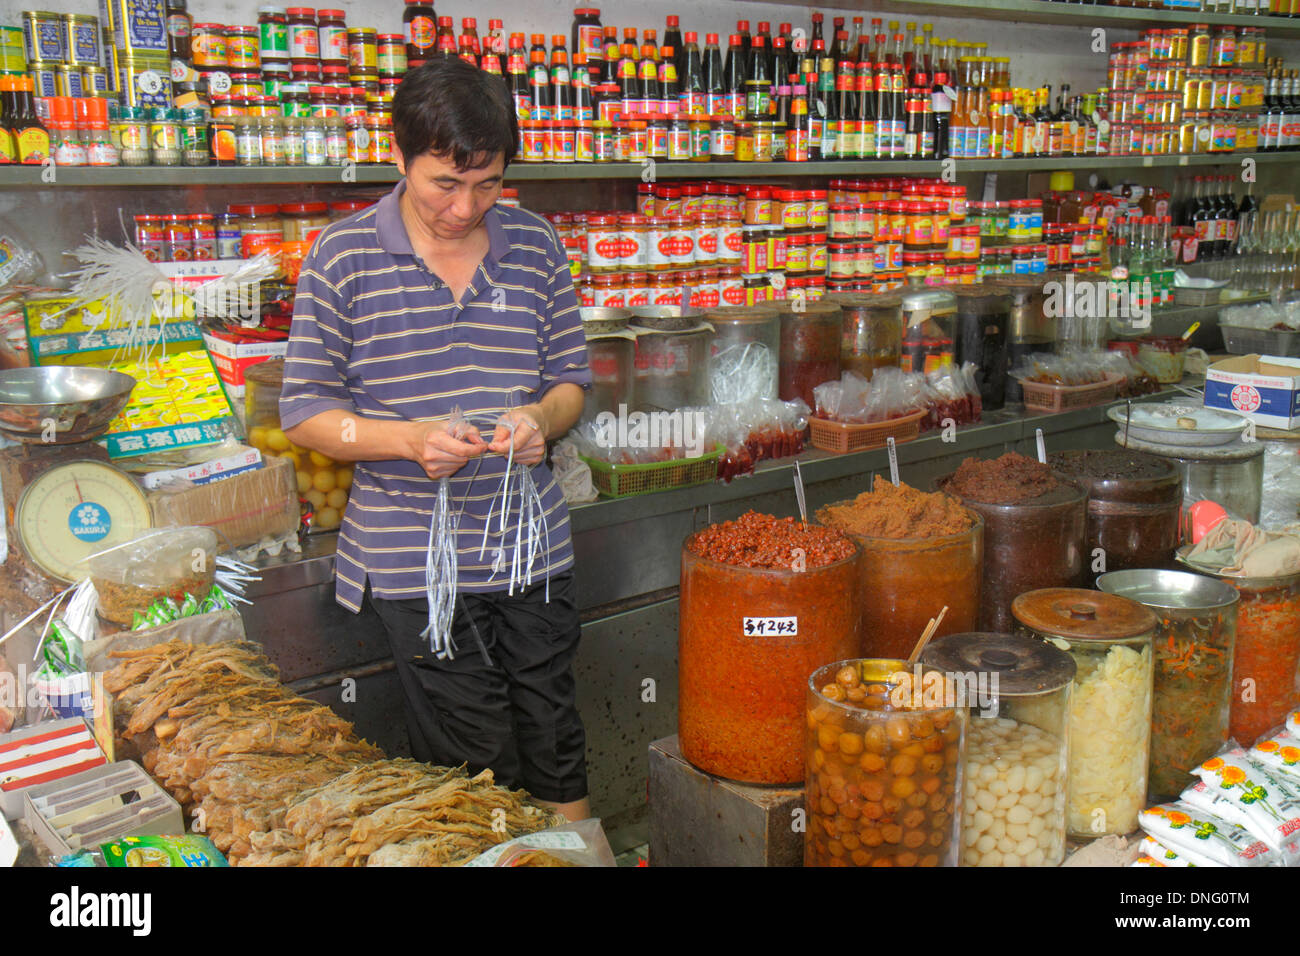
1159 423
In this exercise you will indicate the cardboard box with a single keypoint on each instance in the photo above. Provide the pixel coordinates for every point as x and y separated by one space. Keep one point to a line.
41 753
241 509
233 359
99 806
1266 389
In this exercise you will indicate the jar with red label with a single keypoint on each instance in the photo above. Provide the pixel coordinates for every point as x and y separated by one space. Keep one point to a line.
705 295
532 141
563 141
666 288
637 288
668 201
796 253
956 203
731 289
757 288
843 221
332 36
645 199
817 253
692 200
777 245
304 36
208 46
758 206
305 71
684 232
730 234
203 236
842 259
178 243
243 49
896 218
755 249
609 291
940 223
390 54
149 237
794 210
706 241
586 293
818 208
915 267
918 226
864 259
634 233
604 244
659 245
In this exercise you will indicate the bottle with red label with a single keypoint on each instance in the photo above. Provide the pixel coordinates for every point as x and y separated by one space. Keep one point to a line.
420 26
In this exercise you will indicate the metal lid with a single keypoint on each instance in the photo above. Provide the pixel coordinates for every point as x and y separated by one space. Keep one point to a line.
741 314
1173 590
1120 475
1084 615
1025 665
928 302
866 300
819 309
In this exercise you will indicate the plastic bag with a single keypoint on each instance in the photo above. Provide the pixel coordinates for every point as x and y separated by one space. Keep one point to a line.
572 473
573 844
1249 795
185 851
1156 853
166 562
1279 751
1200 836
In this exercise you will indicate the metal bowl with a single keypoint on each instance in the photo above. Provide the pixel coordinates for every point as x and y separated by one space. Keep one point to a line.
60 404
602 321
667 318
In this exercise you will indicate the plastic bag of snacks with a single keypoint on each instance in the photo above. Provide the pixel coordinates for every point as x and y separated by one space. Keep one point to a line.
1137 381
952 394
843 401
1204 838
165 610
1280 753
1249 795
1070 369
1155 853
186 851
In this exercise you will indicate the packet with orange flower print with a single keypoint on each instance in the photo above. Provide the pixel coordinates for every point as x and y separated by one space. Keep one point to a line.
1191 831
1293 723
1249 794
1280 753
1157 854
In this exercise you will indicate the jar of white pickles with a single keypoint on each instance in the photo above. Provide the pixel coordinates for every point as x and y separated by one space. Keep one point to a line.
1017 689
1110 639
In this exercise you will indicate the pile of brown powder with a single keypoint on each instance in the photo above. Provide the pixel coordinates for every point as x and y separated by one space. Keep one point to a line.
1009 480
902 512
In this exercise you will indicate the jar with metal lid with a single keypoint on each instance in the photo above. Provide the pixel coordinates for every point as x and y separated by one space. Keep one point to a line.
929 316
208 45
150 237
741 703
260 228
706 241
1013 806
203 236
745 349
809 349
1193 654
637 285
872 332
758 206
884 769
1231 474
843 221
1134 501
1110 639
1199 45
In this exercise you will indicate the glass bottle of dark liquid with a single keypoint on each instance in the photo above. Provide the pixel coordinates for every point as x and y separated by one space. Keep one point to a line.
179 27
1202 222
517 76
419 23
694 96
670 85
827 104
31 138
758 85
673 38
609 65
746 44
539 80
780 65
714 80
817 20
629 80
494 49
734 72
868 122
941 108
445 43
561 79
583 106
648 79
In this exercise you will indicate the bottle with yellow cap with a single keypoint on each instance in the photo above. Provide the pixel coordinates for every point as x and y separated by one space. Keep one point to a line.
1062 181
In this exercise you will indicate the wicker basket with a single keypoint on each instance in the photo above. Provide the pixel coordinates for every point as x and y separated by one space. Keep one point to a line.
1041 397
839 437
623 481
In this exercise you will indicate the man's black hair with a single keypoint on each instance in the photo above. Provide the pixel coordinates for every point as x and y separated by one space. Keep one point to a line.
453 109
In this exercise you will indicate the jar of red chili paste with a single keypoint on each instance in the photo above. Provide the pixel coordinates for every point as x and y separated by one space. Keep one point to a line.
810 348
764 603
921 551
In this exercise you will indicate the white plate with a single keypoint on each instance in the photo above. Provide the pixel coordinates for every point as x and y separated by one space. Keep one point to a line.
1159 423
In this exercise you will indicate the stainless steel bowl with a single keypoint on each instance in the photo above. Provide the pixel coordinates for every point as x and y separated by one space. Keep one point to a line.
667 318
602 320
60 404
1169 590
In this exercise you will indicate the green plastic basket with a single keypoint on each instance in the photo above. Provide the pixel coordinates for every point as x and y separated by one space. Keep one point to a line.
624 481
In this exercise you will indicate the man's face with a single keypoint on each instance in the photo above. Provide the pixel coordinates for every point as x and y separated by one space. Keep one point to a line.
450 202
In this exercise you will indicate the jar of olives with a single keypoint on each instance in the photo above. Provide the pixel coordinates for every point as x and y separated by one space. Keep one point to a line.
1018 692
884 763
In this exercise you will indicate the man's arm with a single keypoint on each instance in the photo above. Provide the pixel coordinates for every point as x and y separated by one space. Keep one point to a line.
346 436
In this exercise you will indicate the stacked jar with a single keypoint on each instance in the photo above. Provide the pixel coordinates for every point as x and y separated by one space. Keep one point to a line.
60 52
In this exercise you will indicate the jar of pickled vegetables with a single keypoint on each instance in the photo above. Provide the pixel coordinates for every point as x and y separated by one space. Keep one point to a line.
764 602
1018 691
809 349
1193 650
920 552
1266 663
1110 639
884 764
322 482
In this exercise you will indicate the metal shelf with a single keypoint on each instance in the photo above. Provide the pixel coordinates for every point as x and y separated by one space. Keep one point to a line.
1068 14
150 177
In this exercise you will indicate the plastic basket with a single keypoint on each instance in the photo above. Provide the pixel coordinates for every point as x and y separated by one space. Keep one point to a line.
623 481
1240 340
842 438
1042 397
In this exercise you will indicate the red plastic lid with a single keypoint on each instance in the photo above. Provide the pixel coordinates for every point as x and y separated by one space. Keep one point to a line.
351 205
711 38
329 14
301 12
673 20
691 36
632 219
148 218
254 209
304 208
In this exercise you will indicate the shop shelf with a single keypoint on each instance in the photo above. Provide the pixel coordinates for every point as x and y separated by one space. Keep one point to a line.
150 177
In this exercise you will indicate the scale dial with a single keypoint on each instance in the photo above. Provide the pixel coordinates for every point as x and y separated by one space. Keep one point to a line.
75 510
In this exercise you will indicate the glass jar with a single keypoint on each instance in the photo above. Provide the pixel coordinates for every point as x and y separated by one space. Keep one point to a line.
609 290
872 332
313 140
165 137
295 150
273 34
722 143
248 141
745 348
194 137
242 49
809 349
883 783
740 688
150 237
1193 647
208 46
1034 544
304 35
272 132
229 237
260 228
332 36
203 236
1110 639
363 50
1013 806
1134 502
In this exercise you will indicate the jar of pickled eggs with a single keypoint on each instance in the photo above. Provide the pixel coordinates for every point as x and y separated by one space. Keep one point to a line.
1017 689
1110 638
884 763
323 483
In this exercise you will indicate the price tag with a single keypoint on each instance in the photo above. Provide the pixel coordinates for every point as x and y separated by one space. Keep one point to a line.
1182 160
1148 160
219 83
770 626
149 83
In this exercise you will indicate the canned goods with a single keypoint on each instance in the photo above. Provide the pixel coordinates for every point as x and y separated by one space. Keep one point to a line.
81 39
67 81
43 37
144 81
44 78
94 81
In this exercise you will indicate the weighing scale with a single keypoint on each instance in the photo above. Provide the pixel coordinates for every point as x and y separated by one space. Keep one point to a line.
63 500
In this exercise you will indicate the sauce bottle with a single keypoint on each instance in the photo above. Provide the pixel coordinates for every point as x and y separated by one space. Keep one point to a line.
673 38
445 40
561 80
31 138
517 77
418 21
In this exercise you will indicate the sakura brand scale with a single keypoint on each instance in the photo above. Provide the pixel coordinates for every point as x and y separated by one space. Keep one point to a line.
63 500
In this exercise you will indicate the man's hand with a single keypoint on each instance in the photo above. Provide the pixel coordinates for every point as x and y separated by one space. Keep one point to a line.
529 436
443 451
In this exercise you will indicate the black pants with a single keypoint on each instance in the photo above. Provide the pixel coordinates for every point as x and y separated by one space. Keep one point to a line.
507 700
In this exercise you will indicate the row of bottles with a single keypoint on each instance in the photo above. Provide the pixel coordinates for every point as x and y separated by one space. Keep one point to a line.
1279 118
1206 205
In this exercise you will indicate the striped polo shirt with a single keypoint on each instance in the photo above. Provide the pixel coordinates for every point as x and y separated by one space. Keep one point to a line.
376 332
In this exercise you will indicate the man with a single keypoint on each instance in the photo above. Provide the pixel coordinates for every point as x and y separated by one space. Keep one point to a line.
437 299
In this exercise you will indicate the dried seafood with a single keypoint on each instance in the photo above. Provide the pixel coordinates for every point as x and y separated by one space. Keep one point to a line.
278 780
